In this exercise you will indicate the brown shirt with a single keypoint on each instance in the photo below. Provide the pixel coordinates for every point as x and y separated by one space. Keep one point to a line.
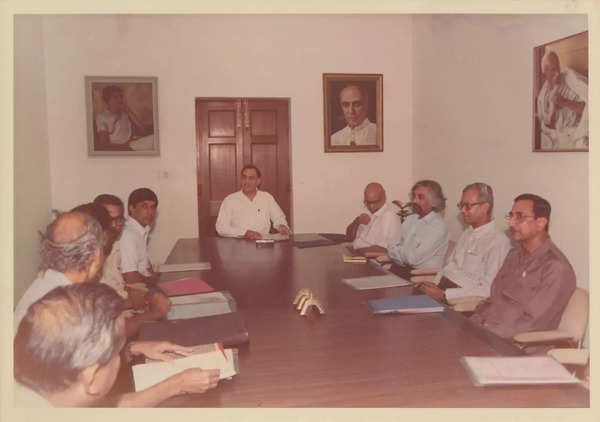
528 293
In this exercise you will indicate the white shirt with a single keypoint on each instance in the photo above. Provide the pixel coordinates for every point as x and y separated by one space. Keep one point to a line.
422 242
45 282
111 271
381 230
363 134
118 127
477 257
239 214
134 248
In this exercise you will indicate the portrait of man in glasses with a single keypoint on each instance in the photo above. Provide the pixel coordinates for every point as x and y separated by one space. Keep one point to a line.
536 280
479 252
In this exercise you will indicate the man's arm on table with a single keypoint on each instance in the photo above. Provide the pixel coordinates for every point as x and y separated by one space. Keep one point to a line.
278 217
158 308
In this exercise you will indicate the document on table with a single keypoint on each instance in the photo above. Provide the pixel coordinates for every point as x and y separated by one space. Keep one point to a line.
516 370
210 356
376 282
191 266
199 305
405 305
278 237
185 286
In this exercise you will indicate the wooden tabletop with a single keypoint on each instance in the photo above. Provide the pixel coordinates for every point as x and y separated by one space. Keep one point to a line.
347 357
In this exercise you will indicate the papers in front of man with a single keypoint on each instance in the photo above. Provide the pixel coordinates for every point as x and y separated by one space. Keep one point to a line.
405 305
351 256
209 356
198 305
310 240
185 286
376 282
192 266
277 237
516 370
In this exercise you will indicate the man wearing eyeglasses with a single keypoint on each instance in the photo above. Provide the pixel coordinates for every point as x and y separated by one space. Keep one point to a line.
377 224
535 281
479 252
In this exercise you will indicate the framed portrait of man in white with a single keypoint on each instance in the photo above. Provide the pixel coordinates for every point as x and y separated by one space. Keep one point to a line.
353 112
122 115
560 95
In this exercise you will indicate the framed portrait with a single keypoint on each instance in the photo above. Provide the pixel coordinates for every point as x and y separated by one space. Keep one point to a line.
560 95
122 115
353 112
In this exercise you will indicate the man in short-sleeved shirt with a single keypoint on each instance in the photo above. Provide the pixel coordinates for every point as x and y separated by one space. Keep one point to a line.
250 212
423 238
536 280
377 225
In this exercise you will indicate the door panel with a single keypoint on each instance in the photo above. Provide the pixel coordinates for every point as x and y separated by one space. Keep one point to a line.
232 132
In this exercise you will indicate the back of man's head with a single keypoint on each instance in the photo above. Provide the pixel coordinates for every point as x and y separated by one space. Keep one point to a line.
141 195
71 242
97 211
66 331
541 207
108 199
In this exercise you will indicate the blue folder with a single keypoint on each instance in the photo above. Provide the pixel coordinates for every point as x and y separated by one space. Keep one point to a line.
405 304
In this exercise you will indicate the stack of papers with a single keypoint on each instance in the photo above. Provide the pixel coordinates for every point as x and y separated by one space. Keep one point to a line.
193 266
210 356
516 370
405 305
185 286
204 304
278 237
350 255
376 282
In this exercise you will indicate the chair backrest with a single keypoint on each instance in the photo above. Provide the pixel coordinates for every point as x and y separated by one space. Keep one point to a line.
575 316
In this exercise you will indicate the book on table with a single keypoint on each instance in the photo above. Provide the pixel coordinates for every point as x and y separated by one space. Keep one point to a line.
515 370
184 286
405 305
208 356
191 266
228 329
351 256
376 282
310 240
203 304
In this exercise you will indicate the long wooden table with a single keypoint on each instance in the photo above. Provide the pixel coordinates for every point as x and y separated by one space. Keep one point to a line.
347 357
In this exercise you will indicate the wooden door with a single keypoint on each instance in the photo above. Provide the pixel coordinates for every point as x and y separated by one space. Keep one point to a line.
233 132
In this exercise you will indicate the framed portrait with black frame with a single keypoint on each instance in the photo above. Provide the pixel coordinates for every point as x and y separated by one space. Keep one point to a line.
353 112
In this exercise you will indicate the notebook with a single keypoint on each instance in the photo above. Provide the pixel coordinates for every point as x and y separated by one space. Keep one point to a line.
184 286
209 356
405 304
198 305
351 256
516 370
228 329
376 282
310 240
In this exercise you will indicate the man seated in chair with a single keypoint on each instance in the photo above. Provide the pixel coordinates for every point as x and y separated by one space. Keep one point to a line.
250 212
535 282
423 238
479 252
376 226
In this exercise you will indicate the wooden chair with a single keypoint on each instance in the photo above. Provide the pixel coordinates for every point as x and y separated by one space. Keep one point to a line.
571 328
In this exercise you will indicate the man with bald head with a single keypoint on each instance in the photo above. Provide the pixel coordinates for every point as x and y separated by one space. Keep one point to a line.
354 102
72 252
377 224
562 106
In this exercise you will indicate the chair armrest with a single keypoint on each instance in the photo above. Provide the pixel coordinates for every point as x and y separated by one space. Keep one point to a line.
542 336
571 356
383 258
425 271
422 278
466 304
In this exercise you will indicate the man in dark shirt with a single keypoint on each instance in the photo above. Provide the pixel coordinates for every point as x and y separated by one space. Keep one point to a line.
535 281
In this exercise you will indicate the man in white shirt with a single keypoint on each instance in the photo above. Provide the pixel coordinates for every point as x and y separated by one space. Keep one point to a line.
249 212
377 224
423 238
359 130
479 252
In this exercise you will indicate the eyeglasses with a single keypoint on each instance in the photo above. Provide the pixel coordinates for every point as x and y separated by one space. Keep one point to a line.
375 202
117 220
519 216
468 205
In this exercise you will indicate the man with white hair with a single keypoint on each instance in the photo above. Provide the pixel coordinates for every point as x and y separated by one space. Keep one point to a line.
359 130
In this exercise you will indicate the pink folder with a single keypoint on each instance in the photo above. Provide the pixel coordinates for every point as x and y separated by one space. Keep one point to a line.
185 286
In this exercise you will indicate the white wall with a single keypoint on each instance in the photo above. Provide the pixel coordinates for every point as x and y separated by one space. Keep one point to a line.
472 101
228 56
32 199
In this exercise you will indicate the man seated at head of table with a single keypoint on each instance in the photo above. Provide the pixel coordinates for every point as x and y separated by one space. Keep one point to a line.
377 224
249 212
423 238
479 252
67 353
535 282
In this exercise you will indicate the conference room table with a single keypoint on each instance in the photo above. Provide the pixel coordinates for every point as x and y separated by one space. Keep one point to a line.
346 357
